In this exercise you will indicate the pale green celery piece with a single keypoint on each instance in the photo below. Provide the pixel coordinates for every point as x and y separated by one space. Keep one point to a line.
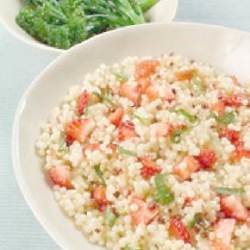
163 194
109 217
191 118
144 121
229 191
99 173
124 151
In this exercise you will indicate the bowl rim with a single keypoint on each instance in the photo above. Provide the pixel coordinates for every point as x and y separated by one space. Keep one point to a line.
27 194
29 40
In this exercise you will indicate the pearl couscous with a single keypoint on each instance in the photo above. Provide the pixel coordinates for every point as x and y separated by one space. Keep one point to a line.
153 154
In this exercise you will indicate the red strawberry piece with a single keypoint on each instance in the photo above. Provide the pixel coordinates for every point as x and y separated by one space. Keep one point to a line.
146 68
143 214
219 107
232 135
232 207
186 168
99 196
179 230
206 158
149 168
130 92
60 175
78 130
234 100
126 131
82 102
240 152
116 117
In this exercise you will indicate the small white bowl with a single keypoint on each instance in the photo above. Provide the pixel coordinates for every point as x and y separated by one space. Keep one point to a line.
227 49
163 11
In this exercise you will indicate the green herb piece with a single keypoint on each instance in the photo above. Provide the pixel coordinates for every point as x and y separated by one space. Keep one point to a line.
227 118
163 194
144 121
124 151
191 118
229 191
196 220
130 248
146 4
99 173
120 77
176 135
109 217
105 96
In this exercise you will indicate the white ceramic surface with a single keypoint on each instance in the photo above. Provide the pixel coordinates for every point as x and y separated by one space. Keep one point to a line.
227 49
163 11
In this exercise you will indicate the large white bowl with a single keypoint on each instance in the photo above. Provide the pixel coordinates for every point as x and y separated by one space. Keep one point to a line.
163 11
227 49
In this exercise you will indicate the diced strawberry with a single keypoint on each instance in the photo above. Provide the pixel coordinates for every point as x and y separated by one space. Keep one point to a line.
185 75
144 213
179 230
92 146
160 129
240 152
143 84
82 102
151 93
206 158
219 107
234 100
78 130
232 207
132 93
126 131
99 195
170 95
186 168
232 135
223 230
149 168
116 117
60 175
146 68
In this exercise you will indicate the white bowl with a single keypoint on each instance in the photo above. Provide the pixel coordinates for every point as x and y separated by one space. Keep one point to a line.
164 11
227 49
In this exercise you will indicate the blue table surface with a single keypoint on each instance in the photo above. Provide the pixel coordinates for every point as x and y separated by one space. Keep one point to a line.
19 64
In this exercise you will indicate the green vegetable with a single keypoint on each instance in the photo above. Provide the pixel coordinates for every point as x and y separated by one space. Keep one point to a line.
120 77
176 135
124 151
130 248
57 23
191 118
146 4
99 173
163 194
229 191
143 120
196 220
109 217
106 96
227 118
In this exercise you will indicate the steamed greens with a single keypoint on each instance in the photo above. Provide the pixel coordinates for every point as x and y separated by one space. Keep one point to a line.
64 23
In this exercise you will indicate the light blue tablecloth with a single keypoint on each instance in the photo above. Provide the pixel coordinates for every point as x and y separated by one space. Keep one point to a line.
19 64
